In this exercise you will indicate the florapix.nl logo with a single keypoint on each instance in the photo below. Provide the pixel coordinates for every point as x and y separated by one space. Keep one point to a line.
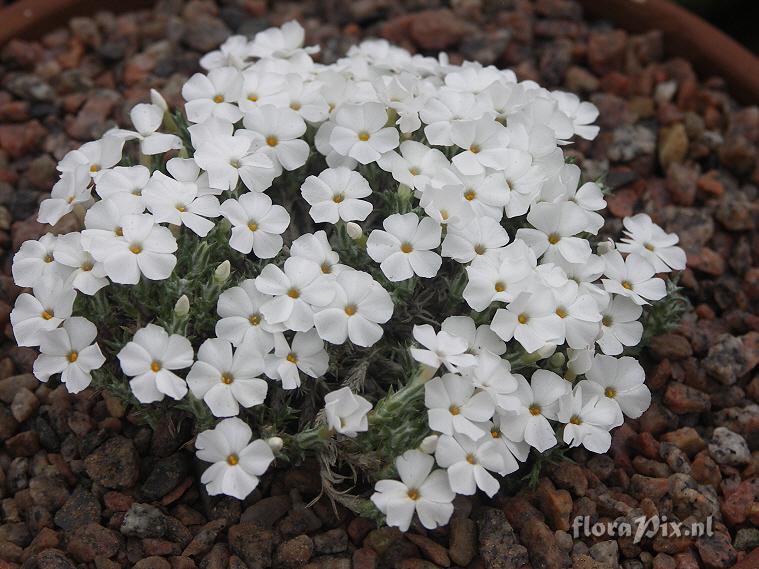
641 527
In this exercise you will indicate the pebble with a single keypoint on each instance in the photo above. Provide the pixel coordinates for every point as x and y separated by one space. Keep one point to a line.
252 544
92 540
24 404
462 541
498 543
143 520
114 463
727 447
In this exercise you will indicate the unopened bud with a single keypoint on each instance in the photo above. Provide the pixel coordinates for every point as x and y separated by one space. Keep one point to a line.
182 307
557 360
221 274
354 230
429 444
275 443
605 247
157 99
546 351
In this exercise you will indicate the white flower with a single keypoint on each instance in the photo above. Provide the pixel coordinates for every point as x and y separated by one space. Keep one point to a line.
512 452
404 248
539 402
233 52
123 180
446 109
468 462
297 291
531 319
359 307
483 236
579 316
335 194
70 351
305 98
442 348
213 95
500 277
186 170
36 260
257 225
632 277
143 248
447 206
277 131
346 412
643 237
72 188
229 157
360 132
225 379
147 119
241 319
93 157
493 375
178 203
581 113
484 143
622 381
306 354
416 166
587 420
419 491
315 247
237 462
556 225
51 303
261 88
454 407
620 326
85 273
479 338
150 360
282 42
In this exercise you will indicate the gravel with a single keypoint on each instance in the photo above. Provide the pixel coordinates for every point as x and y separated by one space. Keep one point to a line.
82 481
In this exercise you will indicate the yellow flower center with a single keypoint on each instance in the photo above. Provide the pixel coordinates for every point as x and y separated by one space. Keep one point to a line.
648 246
218 99
292 358
119 232
469 195
414 171
253 226
252 97
407 247
181 208
48 258
272 140
470 459
454 409
326 268
72 357
495 434
338 198
500 286
610 392
136 249
227 378
627 284
254 319
575 420
293 293
444 215
295 106
475 148
561 312
86 266
535 410
523 318
607 320
554 238
363 136
234 163
155 366
233 459
350 310
94 168
413 494
47 314
480 249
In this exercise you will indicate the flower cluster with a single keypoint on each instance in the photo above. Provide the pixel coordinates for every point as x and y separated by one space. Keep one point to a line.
389 227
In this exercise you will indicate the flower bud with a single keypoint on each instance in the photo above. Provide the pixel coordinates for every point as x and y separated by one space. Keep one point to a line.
157 99
546 351
557 360
221 274
605 246
429 444
275 443
354 230
182 307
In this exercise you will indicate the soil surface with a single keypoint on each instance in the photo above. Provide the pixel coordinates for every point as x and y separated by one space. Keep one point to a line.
84 483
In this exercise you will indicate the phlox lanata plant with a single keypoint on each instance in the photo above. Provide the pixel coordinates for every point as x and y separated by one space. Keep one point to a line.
385 263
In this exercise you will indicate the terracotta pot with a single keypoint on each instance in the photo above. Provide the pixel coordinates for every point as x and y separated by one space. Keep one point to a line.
710 51
686 35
